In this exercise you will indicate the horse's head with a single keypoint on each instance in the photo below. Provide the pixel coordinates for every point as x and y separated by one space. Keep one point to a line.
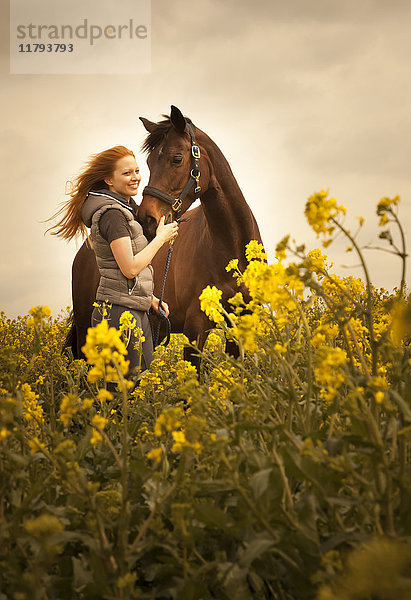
177 173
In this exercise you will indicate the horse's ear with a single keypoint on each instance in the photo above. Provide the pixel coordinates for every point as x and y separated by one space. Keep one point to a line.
149 125
177 119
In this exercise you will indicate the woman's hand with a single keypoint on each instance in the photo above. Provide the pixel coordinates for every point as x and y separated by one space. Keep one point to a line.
154 305
168 232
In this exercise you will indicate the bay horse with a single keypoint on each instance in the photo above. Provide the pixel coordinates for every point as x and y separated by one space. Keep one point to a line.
185 164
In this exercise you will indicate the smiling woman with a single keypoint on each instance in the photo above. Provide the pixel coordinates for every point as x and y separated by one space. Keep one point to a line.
101 200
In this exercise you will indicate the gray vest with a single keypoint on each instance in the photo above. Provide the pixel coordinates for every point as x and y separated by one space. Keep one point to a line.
114 287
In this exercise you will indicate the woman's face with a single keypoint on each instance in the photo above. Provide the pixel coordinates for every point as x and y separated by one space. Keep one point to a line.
125 178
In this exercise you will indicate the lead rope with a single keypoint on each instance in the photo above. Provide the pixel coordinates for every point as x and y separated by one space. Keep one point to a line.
161 310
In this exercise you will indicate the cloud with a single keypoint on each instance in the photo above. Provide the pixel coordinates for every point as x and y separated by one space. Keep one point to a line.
298 95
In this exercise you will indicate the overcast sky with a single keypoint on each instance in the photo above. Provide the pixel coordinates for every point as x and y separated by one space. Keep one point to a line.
299 95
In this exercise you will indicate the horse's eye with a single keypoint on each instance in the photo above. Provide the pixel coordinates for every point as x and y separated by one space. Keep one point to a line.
177 160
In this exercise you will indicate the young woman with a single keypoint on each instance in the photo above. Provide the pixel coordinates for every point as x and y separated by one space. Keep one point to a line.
101 199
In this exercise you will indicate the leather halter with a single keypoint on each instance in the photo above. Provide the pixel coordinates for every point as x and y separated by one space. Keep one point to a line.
176 203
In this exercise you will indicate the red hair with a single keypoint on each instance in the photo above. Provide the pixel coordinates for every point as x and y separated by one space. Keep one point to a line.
97 169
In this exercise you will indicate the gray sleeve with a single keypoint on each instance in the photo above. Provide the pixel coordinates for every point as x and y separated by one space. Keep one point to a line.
113 225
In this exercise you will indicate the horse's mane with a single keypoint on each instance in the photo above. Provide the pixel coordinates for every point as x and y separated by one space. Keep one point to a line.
158 134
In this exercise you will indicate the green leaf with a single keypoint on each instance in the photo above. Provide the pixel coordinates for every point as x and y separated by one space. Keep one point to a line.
402 405
81 575
255 549
259 482
233 581
211 515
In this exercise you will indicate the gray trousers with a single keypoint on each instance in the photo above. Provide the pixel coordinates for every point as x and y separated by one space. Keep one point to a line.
142 320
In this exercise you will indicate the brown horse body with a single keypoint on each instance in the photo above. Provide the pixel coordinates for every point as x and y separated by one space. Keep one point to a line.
217 230
85 278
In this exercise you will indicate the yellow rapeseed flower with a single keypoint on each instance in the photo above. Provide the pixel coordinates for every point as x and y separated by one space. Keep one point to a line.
214 342
87 403
246 330
35 445
320 210
317 261
103 349
100 422
43 527
232 265
379 397
104 395
181 443
383 220
4 433
210 303
386 203
32 410
329 370
170 419
69 406
38 314
280 249
155 454
255 251
400 327
127 321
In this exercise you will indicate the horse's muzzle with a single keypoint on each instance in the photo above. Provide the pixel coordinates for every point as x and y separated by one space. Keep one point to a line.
149 225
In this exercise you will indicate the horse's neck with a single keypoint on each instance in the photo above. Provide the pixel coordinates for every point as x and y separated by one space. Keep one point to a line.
228 215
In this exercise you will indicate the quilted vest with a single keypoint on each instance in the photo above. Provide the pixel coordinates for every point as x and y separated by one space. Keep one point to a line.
114 287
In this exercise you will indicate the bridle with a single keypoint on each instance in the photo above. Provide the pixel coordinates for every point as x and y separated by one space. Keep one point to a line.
176 203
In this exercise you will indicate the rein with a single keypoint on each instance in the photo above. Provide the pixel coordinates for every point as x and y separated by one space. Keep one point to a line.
176 204
161 310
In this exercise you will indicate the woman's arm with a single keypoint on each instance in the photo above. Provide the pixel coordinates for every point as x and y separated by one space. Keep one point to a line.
131 265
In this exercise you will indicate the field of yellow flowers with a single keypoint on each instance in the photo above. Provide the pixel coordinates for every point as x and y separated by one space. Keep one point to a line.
284 473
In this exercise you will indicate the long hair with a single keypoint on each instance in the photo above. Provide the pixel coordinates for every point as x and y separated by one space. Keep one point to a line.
97 169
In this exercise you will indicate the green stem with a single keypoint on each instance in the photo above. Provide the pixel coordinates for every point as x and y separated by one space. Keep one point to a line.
369 311
110 446
358 349
150 517
124 474
52 404
309 369
287 488
241 366
402 254
258 514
